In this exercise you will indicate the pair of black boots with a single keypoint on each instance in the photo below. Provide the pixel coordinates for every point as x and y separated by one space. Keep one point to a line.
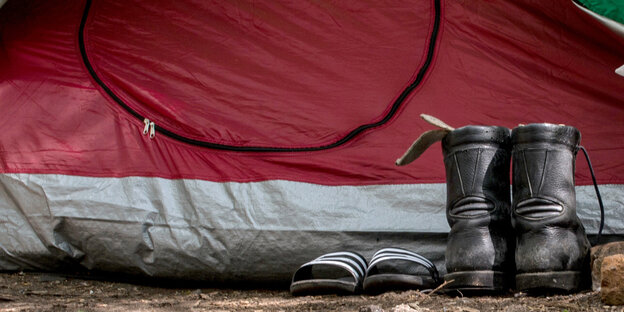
535 244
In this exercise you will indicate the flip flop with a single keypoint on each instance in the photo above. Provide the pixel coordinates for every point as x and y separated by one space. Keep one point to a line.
332 273
399 269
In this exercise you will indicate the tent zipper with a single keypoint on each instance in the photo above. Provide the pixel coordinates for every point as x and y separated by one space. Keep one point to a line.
149 127
349 136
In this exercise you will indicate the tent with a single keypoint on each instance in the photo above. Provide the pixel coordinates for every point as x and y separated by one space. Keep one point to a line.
228 141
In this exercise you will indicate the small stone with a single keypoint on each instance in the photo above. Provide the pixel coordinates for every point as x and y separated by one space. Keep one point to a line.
612 283
418 308
598 253
371 308
403 308
197 294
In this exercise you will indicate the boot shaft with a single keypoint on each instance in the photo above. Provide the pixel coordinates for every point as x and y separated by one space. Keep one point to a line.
477 160
544 159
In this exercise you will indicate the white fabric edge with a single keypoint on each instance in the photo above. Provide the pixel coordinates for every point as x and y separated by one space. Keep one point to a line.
616 27
620 71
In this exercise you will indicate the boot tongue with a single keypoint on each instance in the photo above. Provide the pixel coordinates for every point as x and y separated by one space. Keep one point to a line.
425 140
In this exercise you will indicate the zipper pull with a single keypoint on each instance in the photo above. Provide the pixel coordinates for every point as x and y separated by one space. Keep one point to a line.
150 128
146 128
152 131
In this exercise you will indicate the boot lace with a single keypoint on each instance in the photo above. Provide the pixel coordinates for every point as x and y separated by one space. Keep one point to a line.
591 170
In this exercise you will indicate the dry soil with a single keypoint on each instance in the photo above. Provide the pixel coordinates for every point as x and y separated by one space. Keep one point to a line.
49 292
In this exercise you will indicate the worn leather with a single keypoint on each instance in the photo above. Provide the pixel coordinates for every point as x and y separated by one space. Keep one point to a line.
478 210
421 144
549 234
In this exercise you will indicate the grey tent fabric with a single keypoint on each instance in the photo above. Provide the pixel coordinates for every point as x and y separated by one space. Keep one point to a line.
224 232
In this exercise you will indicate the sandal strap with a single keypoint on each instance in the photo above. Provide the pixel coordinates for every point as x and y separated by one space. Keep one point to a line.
361 261
395 250
390 254
351 262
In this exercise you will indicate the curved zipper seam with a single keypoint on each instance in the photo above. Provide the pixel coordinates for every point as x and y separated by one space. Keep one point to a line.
349 136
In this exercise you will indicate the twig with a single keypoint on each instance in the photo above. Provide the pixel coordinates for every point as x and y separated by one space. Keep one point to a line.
428 295
440 287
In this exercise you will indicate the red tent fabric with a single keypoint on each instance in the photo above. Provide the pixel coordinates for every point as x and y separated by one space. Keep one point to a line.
226 73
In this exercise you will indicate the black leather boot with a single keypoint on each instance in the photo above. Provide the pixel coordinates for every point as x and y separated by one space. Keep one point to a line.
479 251
551 245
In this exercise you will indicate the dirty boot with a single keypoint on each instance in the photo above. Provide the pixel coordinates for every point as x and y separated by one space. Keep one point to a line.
552 247
479 251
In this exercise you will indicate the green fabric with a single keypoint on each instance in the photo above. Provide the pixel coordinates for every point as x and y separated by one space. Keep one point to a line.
613 9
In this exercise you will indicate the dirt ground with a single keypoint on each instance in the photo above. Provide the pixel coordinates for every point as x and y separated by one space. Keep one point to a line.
48 292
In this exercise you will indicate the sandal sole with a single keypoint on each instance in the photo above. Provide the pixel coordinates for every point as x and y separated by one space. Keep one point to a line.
377 284
323 287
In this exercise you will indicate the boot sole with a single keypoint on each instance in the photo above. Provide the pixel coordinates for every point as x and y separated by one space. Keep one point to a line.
476 282
549 282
